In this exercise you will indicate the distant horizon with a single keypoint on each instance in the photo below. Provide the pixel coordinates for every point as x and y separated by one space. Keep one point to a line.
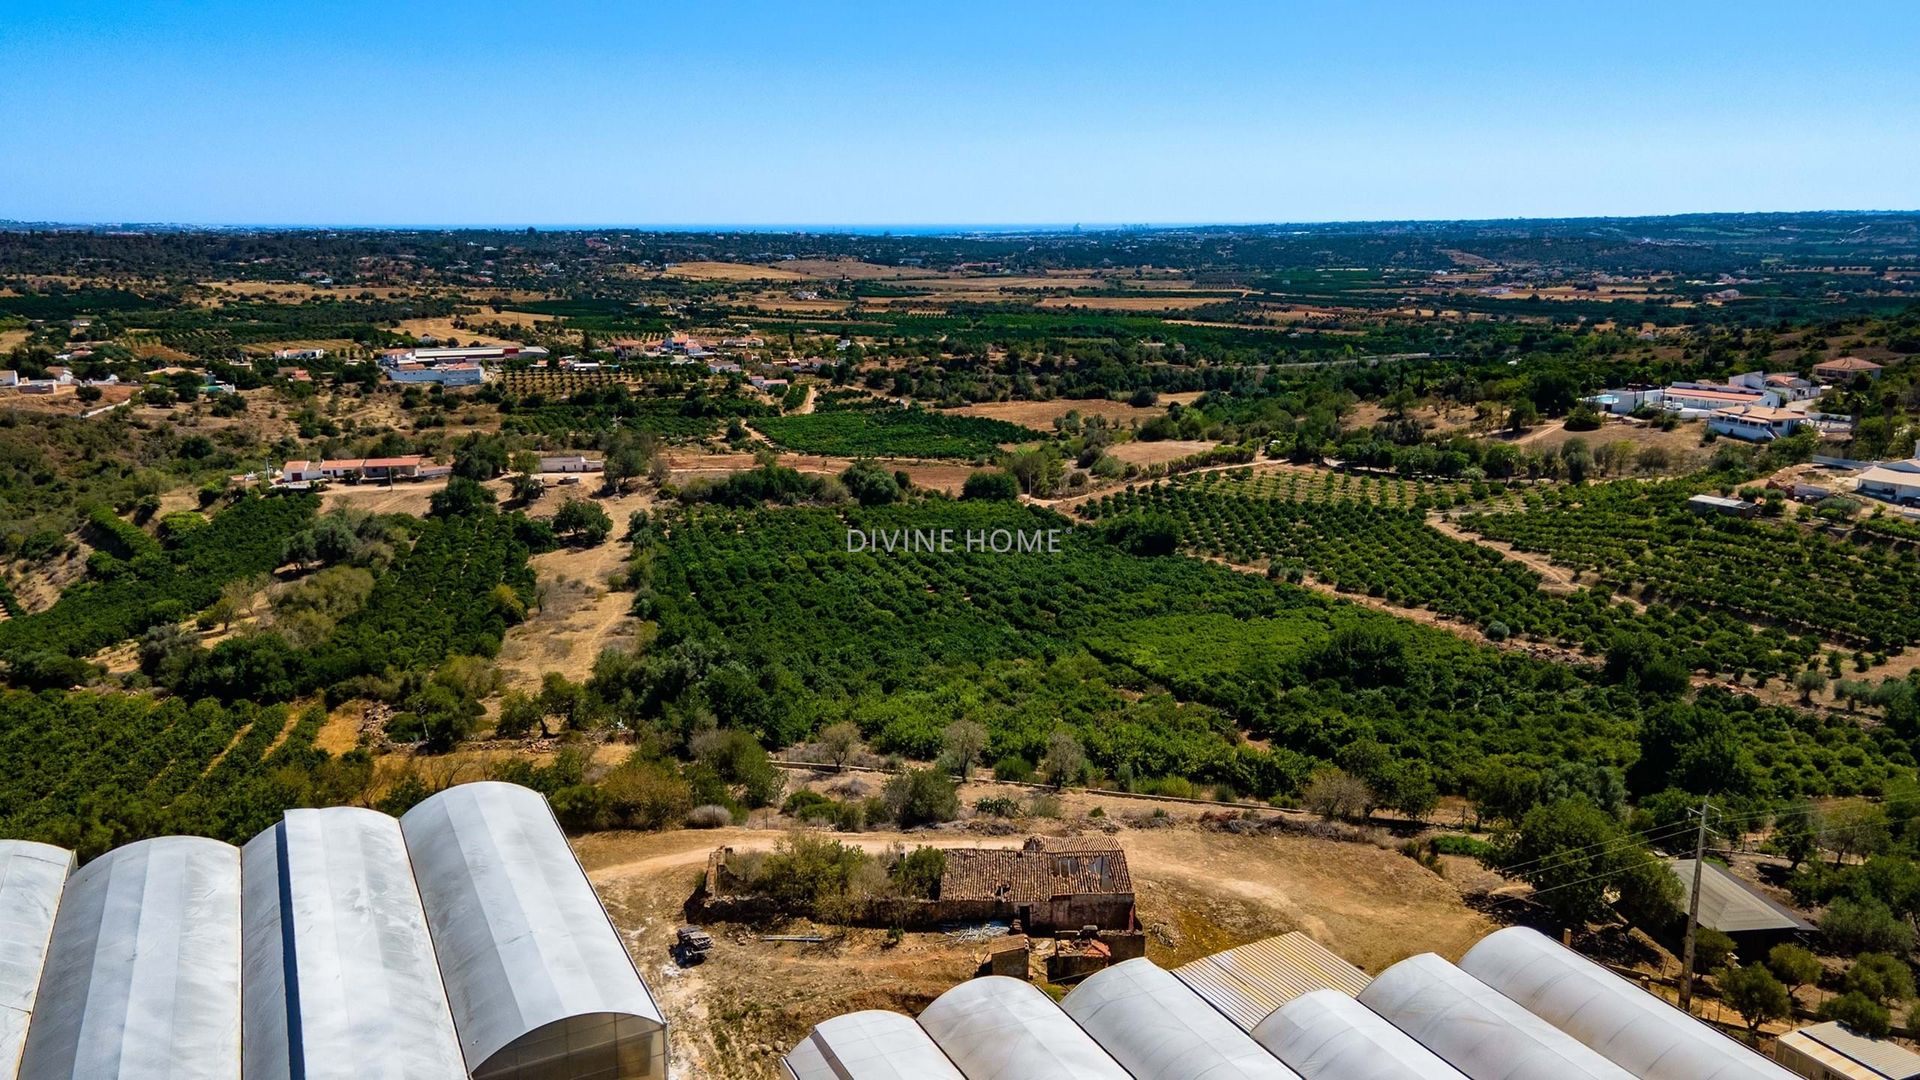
881 229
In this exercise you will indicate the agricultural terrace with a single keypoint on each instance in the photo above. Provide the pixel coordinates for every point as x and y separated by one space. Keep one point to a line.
1642 536
1158 664
1358 545
892 432
93 771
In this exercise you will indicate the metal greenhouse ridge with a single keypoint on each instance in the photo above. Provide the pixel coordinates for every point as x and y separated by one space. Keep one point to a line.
462 941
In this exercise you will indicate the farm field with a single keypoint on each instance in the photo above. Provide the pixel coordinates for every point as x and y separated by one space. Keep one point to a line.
1642 536
1386 550
891 433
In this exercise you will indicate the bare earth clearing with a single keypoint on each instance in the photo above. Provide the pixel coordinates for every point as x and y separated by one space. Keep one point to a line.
1198 890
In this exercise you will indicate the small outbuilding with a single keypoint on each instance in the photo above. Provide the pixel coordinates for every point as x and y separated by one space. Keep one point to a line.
1737 909
1831 1052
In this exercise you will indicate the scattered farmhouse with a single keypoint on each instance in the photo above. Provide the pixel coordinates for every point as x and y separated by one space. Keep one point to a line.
1845 369
1893 481
1755 423
299 354
458 373
1050 883
1788 385
410 467
573 464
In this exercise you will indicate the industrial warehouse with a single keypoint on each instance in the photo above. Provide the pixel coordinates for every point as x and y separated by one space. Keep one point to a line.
460 941
1518 1006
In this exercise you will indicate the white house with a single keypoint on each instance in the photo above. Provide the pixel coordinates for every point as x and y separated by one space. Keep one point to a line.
299 354
1755 423
1894 481
1694 400
1623 401
9 378
571 464
1789 386
301 472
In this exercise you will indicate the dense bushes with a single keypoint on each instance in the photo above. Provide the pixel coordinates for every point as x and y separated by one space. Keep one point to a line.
93 771
146 586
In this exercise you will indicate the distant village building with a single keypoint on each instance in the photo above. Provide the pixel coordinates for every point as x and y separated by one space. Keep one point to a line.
1786 384
409 467
461 373
1845 369
299 354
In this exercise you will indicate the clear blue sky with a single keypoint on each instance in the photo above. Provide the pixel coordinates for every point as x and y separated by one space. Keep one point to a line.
979 112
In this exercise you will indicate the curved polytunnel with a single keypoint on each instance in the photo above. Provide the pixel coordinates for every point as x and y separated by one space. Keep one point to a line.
1153 1025
536 976
143 974
1476 1029
1326 1035
1635 1030
870 1045
341 982
806 1062
997 1028
32 877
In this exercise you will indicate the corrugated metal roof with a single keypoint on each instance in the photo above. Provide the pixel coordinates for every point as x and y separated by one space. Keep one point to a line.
1860 1057
1730 905
32 877
1251 981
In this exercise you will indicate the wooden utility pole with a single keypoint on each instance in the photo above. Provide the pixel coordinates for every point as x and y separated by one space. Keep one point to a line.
1693 912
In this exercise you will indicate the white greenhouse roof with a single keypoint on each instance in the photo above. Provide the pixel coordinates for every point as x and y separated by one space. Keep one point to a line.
143 976
1631 1027
1153 1025
524 947
463 942
871 1045
31 879
368 995
1326 1035
1249 981
997 1028
805 1062
1476 1030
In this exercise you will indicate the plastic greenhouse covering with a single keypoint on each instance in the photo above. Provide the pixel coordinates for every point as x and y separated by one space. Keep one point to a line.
330 906
996 1028
871 1045
1326 1035
539 981
1477 1030
1637 1031
32 877
1153 1025
143 974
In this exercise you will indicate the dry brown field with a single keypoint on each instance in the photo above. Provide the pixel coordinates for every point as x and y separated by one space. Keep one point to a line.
1198 891
1158 453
